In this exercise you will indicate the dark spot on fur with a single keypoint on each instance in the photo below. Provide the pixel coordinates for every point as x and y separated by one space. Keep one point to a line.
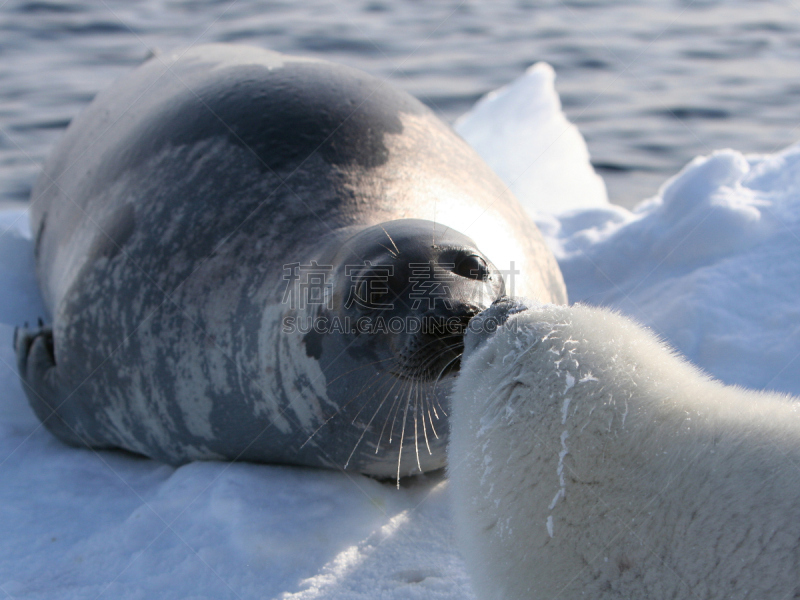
280 116
624 564
313 342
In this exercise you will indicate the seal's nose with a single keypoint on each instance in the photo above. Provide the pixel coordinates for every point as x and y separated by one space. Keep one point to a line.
447 321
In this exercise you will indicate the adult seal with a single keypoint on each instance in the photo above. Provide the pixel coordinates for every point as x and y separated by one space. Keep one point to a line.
590 461
242 254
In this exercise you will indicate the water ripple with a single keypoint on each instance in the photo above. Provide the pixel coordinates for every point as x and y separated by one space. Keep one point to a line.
650 84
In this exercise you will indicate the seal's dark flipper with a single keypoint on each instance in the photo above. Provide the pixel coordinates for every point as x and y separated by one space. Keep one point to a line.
37 370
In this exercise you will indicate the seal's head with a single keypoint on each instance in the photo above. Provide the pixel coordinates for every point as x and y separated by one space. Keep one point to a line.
403 294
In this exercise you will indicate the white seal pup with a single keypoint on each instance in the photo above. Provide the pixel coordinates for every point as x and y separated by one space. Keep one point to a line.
588 460
238 249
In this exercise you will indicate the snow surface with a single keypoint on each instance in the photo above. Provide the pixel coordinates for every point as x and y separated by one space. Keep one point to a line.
710 263
522 133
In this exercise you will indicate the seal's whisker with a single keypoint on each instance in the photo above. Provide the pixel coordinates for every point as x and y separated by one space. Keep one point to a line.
398 402
433 356
416 431
438 379
391 240
426 410
386 422
327 420
423 360
402 435
372 383
369 423
369 383
313 433
425 395
407 395
436 435
364 366
439 340
441 373
389 250
423 357
434 414
428 403
424 428
380 380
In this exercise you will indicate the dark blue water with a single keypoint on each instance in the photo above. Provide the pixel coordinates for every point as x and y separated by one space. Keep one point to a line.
650 84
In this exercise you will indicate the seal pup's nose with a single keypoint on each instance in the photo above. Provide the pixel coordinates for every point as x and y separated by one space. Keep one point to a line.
485 323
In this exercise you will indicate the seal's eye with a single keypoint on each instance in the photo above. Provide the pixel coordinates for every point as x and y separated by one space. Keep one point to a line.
472 267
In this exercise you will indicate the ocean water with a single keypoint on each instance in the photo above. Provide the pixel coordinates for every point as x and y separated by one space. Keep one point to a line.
650 84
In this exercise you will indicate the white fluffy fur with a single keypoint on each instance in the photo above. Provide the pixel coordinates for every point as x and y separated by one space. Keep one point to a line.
589 461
